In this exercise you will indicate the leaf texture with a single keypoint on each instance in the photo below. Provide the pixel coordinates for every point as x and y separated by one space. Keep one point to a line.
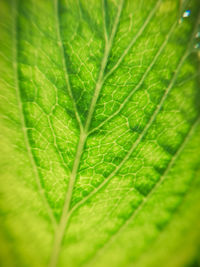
100 132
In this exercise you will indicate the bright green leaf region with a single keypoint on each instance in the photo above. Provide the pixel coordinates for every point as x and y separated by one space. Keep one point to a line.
100 133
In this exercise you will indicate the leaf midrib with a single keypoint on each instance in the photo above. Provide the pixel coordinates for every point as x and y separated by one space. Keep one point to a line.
84 132
83 136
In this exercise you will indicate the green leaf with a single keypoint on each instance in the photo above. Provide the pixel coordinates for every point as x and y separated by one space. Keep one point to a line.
100 133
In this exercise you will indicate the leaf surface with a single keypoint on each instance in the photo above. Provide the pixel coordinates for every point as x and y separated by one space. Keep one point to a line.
99 132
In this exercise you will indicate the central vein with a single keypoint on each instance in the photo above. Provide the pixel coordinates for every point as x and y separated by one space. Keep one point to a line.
84 131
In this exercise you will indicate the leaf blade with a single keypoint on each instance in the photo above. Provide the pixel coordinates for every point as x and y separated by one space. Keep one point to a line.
135 126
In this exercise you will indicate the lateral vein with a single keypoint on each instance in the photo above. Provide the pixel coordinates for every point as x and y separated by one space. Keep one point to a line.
61 45
122 105
30 154
161 180
150 16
